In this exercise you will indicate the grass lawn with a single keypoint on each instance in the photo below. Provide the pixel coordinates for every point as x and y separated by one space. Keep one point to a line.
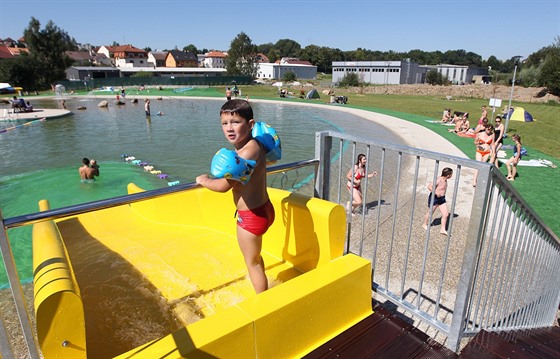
539 186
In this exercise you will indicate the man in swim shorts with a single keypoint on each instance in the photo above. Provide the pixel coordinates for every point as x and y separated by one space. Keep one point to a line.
436 199
89 169
255 212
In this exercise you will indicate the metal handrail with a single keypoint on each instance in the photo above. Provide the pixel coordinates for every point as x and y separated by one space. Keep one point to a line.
73 210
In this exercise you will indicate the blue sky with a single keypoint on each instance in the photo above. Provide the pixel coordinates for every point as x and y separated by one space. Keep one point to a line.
493 27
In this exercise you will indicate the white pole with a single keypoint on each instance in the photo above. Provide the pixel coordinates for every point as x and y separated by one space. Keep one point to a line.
509 103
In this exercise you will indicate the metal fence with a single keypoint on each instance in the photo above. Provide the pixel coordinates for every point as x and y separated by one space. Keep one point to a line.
496 269
156 81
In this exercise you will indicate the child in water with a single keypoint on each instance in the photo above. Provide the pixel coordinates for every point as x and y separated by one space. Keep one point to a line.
255 213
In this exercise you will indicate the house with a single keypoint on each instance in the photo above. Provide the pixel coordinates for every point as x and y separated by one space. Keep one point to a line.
176 58
15 51
101 60
80 58
157 58
9 42
277 70
108 52
130 56
125 55
5 52
215 60
380 72
262 58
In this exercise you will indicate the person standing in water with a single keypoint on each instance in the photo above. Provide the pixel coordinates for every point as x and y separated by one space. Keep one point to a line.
89 169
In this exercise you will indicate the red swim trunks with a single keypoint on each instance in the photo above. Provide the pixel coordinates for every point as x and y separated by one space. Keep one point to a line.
256 220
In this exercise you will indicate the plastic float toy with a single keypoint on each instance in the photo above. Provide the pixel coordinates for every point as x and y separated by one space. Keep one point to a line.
269 138
227 164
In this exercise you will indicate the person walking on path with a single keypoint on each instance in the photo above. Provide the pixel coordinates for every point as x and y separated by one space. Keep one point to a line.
355 183
437 197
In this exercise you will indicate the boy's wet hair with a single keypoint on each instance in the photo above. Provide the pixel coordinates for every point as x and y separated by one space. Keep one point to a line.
446 172
239 107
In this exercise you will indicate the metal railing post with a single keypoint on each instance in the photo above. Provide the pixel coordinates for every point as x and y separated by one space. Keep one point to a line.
323 148
476 230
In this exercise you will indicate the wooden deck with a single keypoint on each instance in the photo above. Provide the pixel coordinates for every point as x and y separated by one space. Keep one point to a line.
384 335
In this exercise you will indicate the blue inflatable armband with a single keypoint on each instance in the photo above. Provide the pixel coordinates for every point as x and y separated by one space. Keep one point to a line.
269 139
227 164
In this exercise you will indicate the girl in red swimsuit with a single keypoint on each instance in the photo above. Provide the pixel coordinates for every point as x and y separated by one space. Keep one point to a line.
484 147
354 184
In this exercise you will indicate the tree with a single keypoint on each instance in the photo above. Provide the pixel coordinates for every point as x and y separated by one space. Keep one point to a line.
265 48
549 74
287 48
242 59
191 48
47 48
22 71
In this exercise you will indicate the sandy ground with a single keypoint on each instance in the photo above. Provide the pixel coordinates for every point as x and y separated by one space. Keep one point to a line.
524 94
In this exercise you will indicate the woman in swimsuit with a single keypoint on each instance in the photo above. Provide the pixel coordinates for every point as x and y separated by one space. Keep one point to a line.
484 147
499 130
354 183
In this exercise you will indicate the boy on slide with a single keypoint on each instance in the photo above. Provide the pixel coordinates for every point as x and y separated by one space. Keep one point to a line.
255 213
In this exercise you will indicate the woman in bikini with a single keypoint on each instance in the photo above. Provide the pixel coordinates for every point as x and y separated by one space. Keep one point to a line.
354 184
484 147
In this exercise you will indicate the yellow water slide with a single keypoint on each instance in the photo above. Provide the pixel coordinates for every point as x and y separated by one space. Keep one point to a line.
185 245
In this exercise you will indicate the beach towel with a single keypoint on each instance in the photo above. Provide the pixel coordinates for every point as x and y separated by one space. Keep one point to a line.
533 163
441 122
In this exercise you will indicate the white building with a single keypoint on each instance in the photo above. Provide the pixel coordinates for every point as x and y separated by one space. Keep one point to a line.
454 73
157 58
276 71
379 72
215 60
125 55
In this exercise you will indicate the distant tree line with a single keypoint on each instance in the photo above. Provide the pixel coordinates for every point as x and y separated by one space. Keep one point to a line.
46 61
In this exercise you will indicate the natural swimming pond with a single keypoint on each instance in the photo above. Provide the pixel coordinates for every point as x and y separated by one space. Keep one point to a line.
41 161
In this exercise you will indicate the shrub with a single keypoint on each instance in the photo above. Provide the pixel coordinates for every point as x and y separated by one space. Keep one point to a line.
289 76
349 79
434 77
